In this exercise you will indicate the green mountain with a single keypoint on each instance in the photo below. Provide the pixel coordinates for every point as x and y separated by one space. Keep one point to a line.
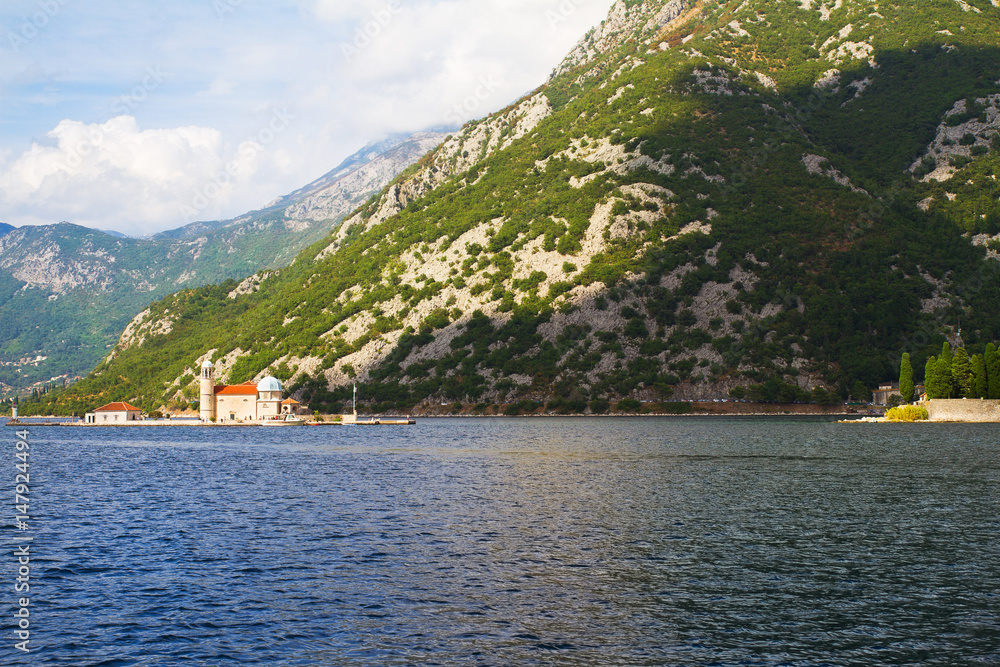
774 197
67 292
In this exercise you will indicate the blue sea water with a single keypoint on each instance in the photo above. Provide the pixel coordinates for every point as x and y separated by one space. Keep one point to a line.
679 541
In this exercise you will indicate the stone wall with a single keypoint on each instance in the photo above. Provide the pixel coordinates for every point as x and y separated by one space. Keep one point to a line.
963 410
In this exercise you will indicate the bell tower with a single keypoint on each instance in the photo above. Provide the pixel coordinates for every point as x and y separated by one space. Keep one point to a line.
207 391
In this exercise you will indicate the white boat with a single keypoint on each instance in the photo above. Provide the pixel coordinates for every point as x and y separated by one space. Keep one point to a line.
283 420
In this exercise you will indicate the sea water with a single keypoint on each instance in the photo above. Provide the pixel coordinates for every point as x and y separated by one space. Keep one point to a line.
515 541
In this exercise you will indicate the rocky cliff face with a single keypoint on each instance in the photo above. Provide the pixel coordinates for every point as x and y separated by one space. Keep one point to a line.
340 192
640 21
35 256
476 141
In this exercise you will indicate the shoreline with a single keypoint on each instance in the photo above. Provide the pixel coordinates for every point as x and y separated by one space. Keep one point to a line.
392 420
678 409
845 418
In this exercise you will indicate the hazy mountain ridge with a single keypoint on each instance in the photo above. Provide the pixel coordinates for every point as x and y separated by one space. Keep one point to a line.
337 196
704 197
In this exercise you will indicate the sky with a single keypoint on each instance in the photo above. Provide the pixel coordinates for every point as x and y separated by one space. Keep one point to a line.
140 115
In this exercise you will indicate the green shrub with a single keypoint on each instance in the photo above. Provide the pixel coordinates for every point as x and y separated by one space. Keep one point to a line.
927 165
628 405
521 407
907 413
599 406
558 288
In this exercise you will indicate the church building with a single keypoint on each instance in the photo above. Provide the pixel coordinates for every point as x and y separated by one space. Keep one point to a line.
240 402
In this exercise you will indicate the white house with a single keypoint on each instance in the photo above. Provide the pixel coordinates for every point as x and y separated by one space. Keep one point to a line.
114 413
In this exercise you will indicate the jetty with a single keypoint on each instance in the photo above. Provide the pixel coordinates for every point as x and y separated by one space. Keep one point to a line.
20 422
353 420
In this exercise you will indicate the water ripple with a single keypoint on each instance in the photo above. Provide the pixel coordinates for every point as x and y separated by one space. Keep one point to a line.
519 541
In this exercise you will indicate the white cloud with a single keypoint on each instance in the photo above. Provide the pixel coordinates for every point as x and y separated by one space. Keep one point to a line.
115 175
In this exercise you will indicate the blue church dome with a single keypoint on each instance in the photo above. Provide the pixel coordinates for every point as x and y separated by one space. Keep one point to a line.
269 384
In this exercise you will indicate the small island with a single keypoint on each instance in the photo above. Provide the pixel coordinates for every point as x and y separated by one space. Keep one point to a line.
247 404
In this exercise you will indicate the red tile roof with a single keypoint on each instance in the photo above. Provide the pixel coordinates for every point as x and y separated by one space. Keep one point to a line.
118 407
290 401
245 389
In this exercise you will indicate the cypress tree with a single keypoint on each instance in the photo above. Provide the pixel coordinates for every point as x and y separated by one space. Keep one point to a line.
906 378
946 354
961 374
992 360
979 386
930 378
947 379
943 377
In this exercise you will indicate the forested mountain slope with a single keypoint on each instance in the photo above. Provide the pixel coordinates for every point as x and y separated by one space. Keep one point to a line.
775 197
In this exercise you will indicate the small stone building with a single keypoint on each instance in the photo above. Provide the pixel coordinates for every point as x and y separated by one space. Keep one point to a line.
884 391
887 389
114 413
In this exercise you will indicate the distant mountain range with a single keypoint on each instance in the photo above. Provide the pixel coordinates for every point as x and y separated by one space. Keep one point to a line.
67 292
